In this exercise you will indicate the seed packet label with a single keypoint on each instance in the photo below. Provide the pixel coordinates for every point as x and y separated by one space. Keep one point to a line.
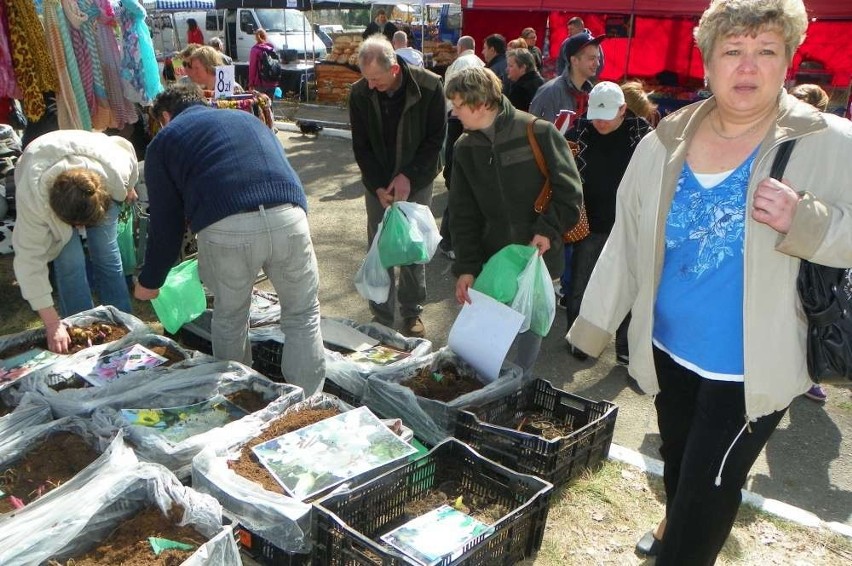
14 368
324 454
378 355
176 424
106 368
437 534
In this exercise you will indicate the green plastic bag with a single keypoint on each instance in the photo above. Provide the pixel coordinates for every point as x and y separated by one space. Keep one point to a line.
126 241
400 242
499 277
181 297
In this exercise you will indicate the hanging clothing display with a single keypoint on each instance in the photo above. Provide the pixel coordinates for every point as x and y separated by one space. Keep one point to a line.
8 84
71 105
139 72
102 17
34 71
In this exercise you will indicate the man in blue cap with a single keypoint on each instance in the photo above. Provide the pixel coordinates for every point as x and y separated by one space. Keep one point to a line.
570 90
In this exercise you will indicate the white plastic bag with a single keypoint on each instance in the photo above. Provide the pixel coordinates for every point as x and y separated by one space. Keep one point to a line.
372 280
535 298
422 220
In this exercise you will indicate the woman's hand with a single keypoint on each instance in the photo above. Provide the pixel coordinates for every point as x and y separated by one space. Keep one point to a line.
775 204
464 283
144 293
58 340
540 242
131 196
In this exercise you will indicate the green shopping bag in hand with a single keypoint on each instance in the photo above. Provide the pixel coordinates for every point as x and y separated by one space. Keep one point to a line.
499 276
126 241
401 242
181 297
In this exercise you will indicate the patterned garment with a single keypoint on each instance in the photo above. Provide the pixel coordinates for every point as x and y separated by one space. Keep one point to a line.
30 58
140 74
71 106
8 84
123 111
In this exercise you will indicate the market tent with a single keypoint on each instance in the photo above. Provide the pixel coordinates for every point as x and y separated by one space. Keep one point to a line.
178 5
662 33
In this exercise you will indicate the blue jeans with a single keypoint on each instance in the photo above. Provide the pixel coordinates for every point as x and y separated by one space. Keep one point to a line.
73 288
231 252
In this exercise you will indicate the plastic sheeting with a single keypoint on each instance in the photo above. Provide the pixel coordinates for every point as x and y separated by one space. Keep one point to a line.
116 457
283 521
351 376
13 391
433 421
185 387
90 513
14 426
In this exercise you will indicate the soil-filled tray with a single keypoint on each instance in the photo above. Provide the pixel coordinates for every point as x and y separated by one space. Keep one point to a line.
128 545
248 399
82 337
247 464
444 385
46 466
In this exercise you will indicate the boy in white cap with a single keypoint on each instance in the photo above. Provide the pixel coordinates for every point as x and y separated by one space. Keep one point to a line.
607 136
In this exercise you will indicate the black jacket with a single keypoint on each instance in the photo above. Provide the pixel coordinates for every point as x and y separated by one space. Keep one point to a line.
523 90
419 136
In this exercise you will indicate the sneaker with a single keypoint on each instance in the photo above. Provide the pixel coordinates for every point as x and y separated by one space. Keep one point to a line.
816 393
413 327
622 359
648 545
562 301
448 253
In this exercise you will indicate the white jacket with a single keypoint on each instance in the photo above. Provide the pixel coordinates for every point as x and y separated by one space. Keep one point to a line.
39 235
628 272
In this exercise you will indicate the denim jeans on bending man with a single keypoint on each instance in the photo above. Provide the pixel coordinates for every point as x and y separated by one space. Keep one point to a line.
231 252
73 288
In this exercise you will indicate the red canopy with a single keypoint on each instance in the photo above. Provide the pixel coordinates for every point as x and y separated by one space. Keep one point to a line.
659 42
838 9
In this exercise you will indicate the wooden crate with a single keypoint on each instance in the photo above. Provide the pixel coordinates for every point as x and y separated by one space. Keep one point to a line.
334 82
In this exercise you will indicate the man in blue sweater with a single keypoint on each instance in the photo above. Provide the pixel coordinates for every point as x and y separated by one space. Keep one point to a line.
226 172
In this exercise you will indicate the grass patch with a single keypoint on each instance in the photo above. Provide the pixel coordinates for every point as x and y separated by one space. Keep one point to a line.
598 519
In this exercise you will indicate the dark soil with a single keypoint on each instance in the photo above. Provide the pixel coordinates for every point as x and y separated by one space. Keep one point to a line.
540 424
4 408
444 385
81 337
45 467
451 492
172 356
248 400
248 466
128 545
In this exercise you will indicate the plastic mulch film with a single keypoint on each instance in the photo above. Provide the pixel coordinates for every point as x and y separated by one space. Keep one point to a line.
280 519
116 456
32 412
93 511
351 376
63 371
433 421
186 387
27 339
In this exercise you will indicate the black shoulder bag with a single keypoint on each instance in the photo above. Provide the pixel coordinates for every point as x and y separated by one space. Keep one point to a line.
826 295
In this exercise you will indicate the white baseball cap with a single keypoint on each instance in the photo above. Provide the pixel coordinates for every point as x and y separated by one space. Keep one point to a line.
604 101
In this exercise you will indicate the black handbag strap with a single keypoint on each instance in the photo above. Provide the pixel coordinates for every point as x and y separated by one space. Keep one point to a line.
781 159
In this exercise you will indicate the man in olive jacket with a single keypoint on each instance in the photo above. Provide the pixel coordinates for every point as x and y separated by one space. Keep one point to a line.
398 118
496 182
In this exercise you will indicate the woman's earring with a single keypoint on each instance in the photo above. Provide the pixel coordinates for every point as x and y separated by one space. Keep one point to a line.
706 83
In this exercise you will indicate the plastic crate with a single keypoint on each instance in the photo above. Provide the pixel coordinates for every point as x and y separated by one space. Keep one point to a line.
263 551
267 358
332 388
348 524
558 460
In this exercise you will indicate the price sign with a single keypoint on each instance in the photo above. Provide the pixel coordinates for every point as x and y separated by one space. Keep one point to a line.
223 85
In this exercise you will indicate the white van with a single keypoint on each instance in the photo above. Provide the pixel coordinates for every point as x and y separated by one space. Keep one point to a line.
286 29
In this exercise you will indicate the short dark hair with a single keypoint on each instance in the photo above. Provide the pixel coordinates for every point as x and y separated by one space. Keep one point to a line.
496 42
78 197
177 98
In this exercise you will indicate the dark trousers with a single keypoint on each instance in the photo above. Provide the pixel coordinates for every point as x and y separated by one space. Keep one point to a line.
584 256
699 420
454 131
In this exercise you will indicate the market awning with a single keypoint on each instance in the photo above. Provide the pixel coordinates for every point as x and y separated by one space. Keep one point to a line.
177 5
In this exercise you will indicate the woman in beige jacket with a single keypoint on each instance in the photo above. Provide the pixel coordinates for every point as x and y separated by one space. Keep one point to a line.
705 251
68 180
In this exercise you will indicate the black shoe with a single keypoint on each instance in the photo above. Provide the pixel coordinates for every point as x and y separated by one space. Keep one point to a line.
648 545
622 359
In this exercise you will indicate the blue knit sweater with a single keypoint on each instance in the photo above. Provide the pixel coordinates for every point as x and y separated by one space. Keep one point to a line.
206 165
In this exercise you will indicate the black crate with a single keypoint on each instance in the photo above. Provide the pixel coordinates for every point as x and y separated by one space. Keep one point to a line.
267 553
347 525
558 460
267 358
332 388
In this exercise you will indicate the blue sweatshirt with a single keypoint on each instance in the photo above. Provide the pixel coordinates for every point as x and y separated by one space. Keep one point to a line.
206 165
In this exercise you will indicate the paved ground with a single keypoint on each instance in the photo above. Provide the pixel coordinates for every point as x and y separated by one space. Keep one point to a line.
807 463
